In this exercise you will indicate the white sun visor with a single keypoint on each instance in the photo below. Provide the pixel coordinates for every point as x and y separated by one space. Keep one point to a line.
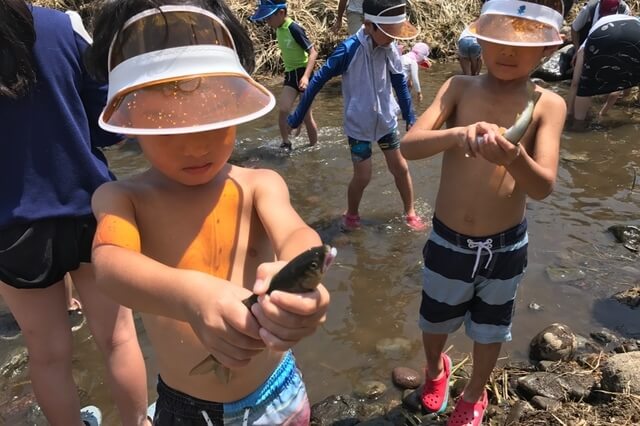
518 23
173 70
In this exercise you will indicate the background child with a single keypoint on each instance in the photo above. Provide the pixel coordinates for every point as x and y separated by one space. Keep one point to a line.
370 66
50 165
299 57
469 54
477 251
417 58
187 240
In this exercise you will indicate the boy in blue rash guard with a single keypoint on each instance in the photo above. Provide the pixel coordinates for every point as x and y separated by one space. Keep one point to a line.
370 66
299 57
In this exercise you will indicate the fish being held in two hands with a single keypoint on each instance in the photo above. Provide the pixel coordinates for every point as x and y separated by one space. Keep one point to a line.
302 274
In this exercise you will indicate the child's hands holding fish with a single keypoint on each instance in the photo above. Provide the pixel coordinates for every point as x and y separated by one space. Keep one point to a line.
487 140
222 322
285 318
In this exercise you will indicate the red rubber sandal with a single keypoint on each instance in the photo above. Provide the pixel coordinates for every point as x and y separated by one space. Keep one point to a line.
469 413
435 393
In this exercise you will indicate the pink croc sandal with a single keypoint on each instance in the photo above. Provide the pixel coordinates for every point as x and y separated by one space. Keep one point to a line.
435 393
469 413
350 222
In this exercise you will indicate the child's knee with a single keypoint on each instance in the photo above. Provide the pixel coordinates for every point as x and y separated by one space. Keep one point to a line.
108 337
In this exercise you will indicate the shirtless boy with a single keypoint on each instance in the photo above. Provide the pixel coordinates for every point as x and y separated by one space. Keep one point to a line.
477 251
187 240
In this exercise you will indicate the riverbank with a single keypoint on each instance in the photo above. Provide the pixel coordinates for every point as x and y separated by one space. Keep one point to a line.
439 22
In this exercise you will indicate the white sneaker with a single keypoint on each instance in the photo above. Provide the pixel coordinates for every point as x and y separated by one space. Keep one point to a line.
151 411
91 415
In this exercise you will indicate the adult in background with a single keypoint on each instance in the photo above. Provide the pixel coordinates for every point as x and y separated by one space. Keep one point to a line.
355 17
590 14
49 167
606 63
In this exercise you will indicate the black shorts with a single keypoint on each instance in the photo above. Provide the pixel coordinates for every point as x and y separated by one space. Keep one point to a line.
38 254
292 78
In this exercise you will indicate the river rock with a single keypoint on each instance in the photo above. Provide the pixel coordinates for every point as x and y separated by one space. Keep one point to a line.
629 297
394 348
15 364
621 373
336 410
554 343
370 389
603 336
628 235
376 422
406 378
372 411
557 67
559 274
411 399
547 404
563 387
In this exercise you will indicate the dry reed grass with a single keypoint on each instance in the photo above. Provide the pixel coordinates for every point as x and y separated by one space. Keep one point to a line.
439 22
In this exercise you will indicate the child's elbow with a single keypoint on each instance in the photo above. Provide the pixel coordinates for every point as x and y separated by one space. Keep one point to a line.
543 191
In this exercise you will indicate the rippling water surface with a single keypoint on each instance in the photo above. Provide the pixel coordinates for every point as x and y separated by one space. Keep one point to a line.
375 284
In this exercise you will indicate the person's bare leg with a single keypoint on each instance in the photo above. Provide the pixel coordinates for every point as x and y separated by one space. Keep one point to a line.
114 331
485 357
575 81
581 107
433 347
476 65
399 168
361 177
43 319
611 100
312 128
72 303
285 103
465 65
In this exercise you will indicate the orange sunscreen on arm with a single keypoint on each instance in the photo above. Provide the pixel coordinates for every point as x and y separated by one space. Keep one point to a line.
114 230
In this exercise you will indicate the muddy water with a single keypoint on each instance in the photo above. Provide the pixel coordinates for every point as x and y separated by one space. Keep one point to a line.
376 283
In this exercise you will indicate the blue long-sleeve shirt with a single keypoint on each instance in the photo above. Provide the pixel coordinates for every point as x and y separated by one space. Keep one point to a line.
368 75
49 158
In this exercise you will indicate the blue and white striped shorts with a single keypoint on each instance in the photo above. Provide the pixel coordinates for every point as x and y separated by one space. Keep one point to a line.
280 400
472 280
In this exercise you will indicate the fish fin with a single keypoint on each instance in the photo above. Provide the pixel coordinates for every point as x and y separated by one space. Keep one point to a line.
223 373
205 366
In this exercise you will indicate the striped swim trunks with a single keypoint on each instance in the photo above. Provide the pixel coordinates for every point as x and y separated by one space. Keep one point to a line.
280 400
472 280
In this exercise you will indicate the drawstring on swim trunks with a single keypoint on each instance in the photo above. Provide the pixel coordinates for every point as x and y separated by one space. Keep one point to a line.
480 245
206 418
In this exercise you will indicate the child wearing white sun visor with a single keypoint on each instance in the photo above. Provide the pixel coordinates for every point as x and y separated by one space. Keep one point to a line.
186 241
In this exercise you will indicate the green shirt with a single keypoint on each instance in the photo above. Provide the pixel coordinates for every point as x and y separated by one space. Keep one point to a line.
294 45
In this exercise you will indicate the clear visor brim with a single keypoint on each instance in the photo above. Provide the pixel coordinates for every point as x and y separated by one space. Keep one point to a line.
187 105
400 31
511 30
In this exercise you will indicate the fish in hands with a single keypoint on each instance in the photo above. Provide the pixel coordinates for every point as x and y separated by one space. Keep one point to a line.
302 274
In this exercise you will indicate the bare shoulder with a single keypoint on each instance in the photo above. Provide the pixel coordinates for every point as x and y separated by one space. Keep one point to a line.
550 103
257 179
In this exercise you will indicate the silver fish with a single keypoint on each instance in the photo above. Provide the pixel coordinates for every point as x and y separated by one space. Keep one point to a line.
303 273
514 133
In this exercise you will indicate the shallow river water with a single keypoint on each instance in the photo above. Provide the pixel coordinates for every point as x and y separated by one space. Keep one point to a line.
575 264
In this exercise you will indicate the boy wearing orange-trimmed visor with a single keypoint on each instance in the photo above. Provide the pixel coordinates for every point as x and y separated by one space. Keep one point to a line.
476 254
186 241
